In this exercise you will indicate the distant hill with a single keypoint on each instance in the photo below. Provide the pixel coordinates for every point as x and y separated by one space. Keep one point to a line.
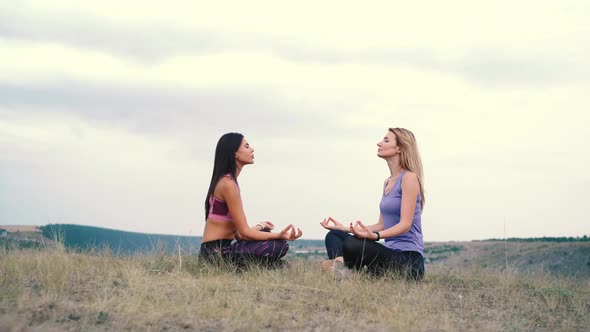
584 238
91 238
120 242
558 256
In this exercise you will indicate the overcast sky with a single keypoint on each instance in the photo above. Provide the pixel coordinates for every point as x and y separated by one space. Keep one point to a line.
110 111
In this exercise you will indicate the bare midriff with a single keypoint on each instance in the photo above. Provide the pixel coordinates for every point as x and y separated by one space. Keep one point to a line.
218 230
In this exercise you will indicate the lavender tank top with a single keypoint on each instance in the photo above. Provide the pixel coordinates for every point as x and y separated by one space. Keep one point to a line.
390 207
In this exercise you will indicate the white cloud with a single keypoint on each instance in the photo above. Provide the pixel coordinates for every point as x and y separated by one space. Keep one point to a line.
119 105
96 175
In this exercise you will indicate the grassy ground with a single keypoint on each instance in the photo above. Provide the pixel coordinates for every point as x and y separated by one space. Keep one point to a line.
53 289
559 259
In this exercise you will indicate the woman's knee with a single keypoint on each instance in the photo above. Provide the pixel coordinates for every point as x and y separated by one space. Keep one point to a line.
352 246
285 245
352 251
278 248
331 236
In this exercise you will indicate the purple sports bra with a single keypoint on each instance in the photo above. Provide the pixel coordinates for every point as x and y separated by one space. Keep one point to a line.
218 209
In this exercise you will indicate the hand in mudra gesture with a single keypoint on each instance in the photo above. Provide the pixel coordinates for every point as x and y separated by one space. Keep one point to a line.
361 231
330 224
290 233
266 225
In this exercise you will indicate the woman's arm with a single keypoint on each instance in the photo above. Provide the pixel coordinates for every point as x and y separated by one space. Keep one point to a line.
230 194
258 227
330 224
410 189
378 226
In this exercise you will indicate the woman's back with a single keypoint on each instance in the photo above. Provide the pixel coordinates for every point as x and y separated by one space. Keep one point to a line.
219 224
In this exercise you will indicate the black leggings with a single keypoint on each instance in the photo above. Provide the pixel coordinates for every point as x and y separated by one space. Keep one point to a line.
379 259
334 242
243 252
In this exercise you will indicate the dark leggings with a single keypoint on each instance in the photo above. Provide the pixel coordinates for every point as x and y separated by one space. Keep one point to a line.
377 258
334 243
243 251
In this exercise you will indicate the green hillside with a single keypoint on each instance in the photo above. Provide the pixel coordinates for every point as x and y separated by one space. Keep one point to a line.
120 242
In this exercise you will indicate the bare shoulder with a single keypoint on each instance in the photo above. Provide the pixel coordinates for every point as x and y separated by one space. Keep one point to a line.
410 175
410 178
226 184
226 181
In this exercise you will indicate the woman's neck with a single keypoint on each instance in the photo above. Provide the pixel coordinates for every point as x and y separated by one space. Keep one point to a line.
395 168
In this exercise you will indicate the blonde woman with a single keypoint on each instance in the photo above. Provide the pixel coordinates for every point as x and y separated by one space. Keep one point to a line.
355 245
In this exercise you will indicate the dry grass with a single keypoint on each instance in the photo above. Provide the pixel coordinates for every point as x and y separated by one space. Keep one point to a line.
55 289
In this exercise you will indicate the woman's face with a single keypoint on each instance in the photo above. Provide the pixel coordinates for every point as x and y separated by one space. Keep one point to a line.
245 153
388 146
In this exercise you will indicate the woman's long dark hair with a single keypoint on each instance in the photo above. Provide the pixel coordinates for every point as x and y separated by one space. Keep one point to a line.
225 162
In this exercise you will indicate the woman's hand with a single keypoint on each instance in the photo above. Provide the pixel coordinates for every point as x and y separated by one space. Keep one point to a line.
361 231
290 233
266 225
334 224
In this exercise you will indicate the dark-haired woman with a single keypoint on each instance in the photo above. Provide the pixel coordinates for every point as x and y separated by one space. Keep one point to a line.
224 213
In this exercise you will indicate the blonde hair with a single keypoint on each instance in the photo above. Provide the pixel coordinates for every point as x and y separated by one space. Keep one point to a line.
410 157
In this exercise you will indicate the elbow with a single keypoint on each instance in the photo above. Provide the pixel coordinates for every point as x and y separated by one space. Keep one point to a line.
406 227
244 236
248 234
